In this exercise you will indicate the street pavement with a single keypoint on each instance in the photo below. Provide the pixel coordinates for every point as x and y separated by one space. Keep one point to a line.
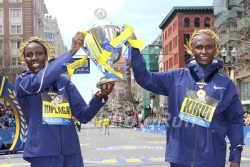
124 147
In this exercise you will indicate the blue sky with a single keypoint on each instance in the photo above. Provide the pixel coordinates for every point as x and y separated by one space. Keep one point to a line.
144 16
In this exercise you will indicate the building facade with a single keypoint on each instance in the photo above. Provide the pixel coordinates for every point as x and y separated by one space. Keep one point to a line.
232 23
19 20
177 28
53 35
149 102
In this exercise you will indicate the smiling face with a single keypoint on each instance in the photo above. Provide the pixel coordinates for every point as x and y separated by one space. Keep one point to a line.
204 49
35 56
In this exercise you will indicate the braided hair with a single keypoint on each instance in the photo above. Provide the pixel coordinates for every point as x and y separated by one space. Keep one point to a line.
209 32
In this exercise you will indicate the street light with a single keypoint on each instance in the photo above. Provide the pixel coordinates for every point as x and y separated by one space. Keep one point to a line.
229 58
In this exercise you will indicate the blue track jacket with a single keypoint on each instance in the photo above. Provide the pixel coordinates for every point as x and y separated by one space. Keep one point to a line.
51 140
195 145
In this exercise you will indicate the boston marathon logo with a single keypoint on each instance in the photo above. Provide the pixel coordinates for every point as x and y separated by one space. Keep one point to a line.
12 138
197 112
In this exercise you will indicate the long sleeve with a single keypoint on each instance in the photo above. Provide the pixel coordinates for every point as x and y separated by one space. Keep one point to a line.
235 132
80 109
157 82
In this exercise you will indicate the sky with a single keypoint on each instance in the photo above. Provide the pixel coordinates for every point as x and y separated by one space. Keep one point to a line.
144 16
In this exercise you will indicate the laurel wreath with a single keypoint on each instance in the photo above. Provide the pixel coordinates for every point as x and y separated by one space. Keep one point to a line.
23 123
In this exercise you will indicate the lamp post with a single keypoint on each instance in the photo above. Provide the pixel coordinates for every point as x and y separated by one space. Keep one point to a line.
229 58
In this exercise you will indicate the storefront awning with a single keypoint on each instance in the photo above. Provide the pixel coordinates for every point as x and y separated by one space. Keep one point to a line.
245 102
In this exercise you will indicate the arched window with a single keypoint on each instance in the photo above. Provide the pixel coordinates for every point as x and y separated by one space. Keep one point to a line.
207 22
186 22
197 22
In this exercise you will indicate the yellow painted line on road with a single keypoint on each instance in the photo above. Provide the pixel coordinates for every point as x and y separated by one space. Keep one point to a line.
5 165
133 160
129 147
109 161
245 159
156 159
12 165
156 142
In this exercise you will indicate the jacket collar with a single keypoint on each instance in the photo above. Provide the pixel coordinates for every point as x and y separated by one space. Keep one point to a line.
204 73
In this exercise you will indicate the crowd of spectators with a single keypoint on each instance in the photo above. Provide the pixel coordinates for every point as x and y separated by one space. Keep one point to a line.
131 121
7 119
247 119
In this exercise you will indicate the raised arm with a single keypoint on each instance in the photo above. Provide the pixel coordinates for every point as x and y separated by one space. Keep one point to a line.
157 82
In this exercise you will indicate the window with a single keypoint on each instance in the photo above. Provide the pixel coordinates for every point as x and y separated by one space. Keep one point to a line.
170 45
175 42
16 29
1 21
197 22
1 14
169 31
16 21
171 62
15 1
1 53
1 29
174 26
245 90
166 49
175 58
14 45
207 22
15 14
166 65
186 38
186 22
49 36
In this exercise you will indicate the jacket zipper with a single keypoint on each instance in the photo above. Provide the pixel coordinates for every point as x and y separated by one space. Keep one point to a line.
196 135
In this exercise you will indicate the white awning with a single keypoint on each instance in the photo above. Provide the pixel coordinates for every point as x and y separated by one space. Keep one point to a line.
245 102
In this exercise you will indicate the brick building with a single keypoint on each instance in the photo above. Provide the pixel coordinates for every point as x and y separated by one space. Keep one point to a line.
177 28
19 19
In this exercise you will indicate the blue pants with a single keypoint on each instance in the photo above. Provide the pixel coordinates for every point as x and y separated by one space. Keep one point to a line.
74 160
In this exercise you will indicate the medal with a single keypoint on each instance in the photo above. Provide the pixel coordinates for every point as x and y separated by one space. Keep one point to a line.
201 93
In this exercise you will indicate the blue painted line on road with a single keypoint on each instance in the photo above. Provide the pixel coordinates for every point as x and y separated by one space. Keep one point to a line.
124 160
112 161
9 156
131 147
